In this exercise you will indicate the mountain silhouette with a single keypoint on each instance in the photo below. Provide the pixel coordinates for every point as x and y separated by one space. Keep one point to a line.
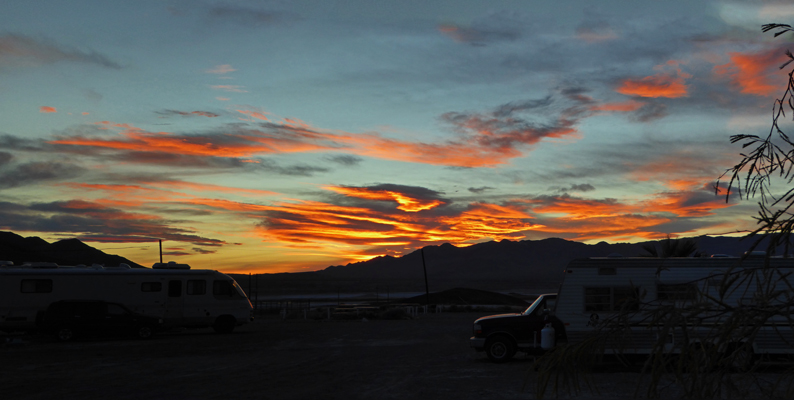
19 250
528 265
525 265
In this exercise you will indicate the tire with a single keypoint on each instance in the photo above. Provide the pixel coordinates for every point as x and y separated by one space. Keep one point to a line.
64 334
224 324
144 332
500 348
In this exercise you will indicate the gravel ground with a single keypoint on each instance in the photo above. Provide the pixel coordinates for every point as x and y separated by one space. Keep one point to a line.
424 358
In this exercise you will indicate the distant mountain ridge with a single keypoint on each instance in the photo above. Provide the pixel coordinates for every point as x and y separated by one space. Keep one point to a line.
19 250
503 265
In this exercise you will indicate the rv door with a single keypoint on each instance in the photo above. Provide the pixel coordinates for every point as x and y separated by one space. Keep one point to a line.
174 304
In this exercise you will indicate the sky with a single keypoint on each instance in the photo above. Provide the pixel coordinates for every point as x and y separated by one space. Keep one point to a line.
287 136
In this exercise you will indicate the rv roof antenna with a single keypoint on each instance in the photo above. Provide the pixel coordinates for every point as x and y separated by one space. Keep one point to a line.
161 250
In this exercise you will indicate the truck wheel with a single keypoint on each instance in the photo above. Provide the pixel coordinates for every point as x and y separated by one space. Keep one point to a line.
500 348
224 324
144 332
64 334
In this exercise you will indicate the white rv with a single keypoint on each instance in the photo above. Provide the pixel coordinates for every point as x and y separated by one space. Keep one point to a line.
181 297
712 291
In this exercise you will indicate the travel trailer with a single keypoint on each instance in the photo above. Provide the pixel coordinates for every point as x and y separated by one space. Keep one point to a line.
181 297
707 292
639 305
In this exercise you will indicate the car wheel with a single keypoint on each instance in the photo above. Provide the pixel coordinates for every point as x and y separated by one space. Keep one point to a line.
64 334
224 324
144 332
500 348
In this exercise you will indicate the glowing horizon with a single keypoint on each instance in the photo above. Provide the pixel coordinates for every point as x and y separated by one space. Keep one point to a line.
324 135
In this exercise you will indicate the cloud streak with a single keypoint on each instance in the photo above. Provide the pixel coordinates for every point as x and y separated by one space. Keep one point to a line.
20 50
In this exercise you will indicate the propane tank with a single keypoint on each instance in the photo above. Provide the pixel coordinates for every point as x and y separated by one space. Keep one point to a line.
547 337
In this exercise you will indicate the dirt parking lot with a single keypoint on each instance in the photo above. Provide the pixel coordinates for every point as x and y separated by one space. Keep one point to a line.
424 358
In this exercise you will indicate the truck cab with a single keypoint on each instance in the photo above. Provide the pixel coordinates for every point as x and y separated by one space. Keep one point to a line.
501 336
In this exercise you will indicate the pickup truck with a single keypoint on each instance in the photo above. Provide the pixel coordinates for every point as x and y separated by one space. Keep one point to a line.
501 336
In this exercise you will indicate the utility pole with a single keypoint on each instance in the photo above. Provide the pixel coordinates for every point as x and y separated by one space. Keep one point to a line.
427 288
161 250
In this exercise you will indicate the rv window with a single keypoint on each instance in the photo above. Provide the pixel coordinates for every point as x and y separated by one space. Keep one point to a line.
597 299
626 298
222 288
686 291
174 288
195 286
607 271
36 286
611 299
151 287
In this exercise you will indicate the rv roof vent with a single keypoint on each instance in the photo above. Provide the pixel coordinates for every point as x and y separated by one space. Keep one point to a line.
720 256
40 265
6 263
124 266
97 266
170 265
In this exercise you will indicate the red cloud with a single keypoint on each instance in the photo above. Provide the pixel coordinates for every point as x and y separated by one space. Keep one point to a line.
751 73
665 84
47 109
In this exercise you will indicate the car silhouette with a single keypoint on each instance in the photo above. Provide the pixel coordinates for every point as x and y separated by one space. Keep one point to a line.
68 319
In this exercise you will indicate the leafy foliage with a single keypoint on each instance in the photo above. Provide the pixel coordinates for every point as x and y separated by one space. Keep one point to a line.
769 157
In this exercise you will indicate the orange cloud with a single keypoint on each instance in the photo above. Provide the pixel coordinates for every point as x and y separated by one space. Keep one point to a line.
230 88
654 86
669 84
221 69
47 109
406 202
679 170
625 106
487 142
589 219
254 114
752 73
596 34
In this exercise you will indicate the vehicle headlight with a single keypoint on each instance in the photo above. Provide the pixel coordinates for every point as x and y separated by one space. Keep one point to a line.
477 329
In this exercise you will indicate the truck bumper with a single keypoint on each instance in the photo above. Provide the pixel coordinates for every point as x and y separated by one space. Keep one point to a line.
477 343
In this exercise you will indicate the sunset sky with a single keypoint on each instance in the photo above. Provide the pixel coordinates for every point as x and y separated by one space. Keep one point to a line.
276 136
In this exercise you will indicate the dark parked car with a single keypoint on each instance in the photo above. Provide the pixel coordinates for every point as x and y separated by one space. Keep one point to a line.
501 336
69 318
